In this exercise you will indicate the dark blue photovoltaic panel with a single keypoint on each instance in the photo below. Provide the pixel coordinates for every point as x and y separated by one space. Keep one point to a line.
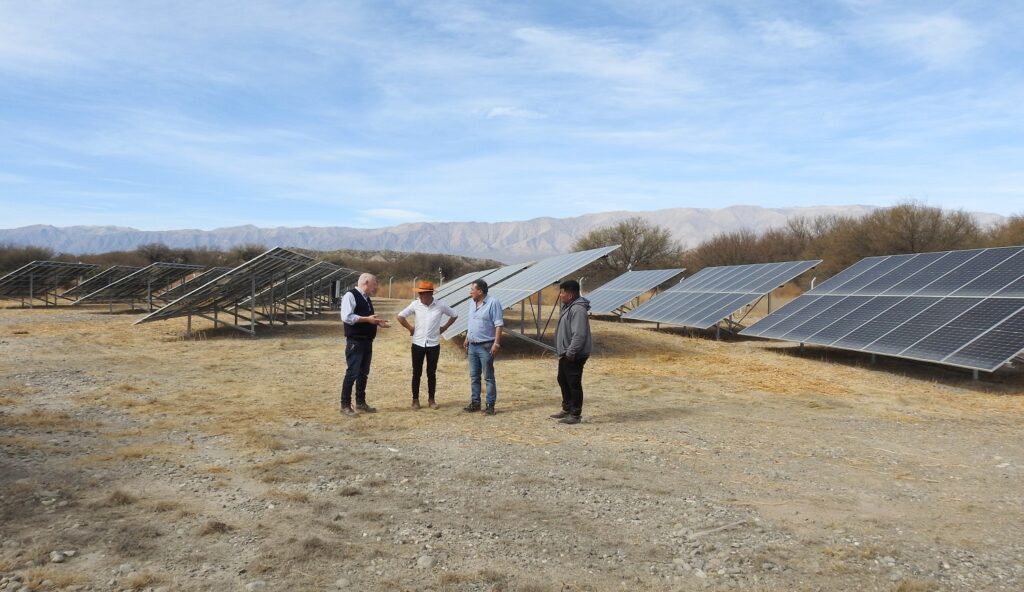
813 308
855 319
841 308
883 323
457 296
999 278
714 293
534 278
973 322
861 282
460 283
931 273
614 294
1001 342
907 268
790 309
920 325
954 280
961 308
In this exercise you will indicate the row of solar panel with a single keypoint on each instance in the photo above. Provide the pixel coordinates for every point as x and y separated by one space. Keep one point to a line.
120 283
963 308
960 308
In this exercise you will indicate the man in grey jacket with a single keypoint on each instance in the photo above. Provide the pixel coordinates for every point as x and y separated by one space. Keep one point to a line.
573 345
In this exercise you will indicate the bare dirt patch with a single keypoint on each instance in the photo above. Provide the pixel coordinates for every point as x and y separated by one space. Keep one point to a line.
132 458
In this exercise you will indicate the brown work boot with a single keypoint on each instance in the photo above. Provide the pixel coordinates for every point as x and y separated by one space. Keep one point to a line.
415 404
349 412
432 404
366 408
559 415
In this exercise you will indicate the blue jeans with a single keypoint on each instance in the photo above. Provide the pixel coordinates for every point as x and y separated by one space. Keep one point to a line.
480 359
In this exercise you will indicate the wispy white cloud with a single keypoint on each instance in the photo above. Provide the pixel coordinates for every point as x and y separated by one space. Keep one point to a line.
938 41
512 113
204 109
791 34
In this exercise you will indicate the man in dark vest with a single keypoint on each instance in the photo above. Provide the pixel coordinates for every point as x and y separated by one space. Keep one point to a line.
360 328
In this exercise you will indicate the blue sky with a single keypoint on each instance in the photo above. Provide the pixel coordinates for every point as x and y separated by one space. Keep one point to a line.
163 115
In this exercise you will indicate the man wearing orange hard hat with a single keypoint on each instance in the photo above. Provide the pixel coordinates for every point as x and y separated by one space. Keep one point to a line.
426 337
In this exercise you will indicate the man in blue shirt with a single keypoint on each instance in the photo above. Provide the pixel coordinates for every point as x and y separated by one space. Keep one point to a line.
483 340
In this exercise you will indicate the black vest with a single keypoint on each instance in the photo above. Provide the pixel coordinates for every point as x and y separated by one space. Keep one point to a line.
364 309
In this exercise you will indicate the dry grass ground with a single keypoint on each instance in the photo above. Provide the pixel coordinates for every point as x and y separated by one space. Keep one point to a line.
218 461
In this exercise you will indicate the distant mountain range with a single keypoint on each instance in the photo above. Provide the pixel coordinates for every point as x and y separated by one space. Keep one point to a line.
505 241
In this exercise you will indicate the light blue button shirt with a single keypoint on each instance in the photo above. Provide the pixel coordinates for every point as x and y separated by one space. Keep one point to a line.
484 319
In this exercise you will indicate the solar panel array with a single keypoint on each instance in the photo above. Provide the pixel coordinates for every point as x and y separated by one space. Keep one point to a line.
193 282
234 286
98 280
610 297
319 276
513 289
713 293
144 283
959 308
41 277
491 276
463 281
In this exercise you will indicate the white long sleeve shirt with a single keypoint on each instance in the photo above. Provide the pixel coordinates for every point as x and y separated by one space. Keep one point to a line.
427 328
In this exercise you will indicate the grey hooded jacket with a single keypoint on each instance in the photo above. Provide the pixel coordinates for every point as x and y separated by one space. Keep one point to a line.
572 337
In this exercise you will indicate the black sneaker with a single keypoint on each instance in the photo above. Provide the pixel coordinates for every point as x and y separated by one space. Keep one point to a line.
559 415
489 410
365 408
571 419
471 407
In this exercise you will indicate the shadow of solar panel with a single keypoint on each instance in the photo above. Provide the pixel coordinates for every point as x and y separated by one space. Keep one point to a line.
961 308
715 293
516 288
612 295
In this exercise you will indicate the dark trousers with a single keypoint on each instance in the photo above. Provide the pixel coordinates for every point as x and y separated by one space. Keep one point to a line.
431 353
570 380
358 353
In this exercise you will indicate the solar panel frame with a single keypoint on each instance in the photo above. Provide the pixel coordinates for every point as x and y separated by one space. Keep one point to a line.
493 278
100 279
41 277
513 289
193 282
956 308
460 282
224 292
713 294
613 295
142 284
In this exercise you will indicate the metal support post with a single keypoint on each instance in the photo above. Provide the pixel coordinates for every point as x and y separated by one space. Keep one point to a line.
252 307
